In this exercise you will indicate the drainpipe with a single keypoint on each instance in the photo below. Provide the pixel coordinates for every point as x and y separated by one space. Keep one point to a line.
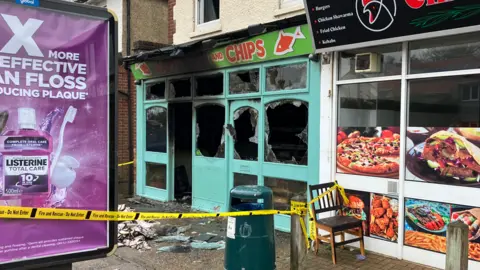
131 98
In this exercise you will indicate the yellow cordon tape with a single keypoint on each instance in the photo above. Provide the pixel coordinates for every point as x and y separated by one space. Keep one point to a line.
126 163
296 208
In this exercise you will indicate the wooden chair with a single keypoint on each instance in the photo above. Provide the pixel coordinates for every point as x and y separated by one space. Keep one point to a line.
336 225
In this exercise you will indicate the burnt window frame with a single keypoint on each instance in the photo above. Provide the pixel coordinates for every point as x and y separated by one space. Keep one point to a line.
204 74
168 81
151 83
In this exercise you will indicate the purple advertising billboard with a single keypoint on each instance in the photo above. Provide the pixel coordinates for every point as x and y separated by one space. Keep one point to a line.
55 130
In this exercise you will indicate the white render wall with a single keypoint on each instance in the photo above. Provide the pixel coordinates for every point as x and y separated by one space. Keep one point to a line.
116 7
234 15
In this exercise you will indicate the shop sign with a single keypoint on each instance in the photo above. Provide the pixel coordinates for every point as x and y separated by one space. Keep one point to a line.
290 42
337 25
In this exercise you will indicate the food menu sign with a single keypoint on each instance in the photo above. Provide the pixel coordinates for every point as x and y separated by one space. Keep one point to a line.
353 23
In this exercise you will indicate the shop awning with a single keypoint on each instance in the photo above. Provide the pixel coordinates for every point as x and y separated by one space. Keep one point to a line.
199 47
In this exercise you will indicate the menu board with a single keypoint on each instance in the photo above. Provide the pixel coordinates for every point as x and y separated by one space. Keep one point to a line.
336 23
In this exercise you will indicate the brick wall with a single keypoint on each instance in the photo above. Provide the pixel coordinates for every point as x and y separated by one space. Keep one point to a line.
123 139
171 21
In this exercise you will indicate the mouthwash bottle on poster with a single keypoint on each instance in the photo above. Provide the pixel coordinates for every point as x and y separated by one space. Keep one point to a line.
26 158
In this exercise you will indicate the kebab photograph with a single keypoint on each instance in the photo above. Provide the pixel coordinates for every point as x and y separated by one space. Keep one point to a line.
446 157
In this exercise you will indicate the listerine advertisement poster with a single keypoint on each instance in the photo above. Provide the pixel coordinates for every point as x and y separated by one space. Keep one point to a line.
54 119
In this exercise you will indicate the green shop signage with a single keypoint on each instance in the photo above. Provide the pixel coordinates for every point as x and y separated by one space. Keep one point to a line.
290 42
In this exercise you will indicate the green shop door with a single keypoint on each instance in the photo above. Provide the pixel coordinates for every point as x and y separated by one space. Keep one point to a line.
244 128
154 160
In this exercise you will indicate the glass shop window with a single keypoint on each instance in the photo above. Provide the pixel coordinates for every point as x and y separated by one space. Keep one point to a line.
286 132
209 85
244 81
286 77
443 134
458 52
370 62
368 140
156 129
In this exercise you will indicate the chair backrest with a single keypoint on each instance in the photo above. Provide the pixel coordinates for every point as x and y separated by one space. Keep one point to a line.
330 202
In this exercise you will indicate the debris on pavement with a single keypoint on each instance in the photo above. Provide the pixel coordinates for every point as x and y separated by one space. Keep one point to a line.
208 246
135 233
173 239
175 249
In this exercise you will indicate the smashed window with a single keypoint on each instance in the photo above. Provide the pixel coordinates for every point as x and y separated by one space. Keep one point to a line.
156 91
209 85
287 77
245 133
156 130
209 131
284 191
286 132
180 88
245 81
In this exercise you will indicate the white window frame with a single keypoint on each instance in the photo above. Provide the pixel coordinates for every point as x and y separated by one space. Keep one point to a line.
406 189
199 14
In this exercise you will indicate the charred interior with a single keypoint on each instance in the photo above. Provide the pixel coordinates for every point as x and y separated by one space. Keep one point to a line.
156 91
209 85
180 88
245 122
242 82
210 140
286 132
182 113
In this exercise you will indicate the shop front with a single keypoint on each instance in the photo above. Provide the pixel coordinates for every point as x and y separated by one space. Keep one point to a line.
404 119
240 114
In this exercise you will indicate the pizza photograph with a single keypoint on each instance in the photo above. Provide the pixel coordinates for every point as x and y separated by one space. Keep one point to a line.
443 155
369 151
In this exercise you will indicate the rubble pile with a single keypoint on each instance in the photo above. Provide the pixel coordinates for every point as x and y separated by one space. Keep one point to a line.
135 233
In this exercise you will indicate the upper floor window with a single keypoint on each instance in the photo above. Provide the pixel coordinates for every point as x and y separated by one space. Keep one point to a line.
207 11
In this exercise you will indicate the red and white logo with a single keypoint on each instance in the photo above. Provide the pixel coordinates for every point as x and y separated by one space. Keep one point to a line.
376 15
286 41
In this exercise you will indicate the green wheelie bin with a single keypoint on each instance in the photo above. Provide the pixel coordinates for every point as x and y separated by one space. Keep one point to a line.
250 241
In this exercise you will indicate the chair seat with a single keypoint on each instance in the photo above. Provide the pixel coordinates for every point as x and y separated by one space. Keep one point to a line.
339 223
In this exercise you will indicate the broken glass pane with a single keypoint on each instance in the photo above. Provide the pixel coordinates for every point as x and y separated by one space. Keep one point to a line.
156 130
286 132
156 91
287 77
209 85
284 191
245 122
180 88
245 81
210 121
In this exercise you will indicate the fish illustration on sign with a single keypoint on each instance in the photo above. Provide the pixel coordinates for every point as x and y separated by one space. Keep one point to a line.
286 41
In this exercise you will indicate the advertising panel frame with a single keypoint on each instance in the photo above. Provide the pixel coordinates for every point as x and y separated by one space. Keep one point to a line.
65 260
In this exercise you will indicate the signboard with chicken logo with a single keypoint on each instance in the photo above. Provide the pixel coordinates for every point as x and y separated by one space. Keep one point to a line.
339 25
